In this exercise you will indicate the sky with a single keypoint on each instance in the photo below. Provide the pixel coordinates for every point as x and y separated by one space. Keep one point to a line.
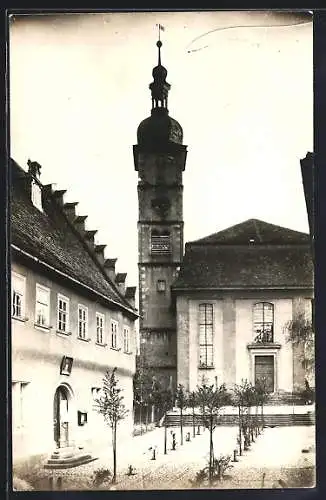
241 87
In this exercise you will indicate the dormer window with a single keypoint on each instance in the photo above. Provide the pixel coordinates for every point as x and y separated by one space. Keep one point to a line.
36 195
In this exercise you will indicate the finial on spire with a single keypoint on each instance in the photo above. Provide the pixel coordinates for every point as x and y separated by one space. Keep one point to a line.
159 45
159 87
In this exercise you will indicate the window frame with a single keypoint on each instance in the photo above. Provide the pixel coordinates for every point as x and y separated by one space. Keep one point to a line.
67 313
100 316
82 322
22 278
18 425
264 333
161 286
114 334
207 346
46 289
126 339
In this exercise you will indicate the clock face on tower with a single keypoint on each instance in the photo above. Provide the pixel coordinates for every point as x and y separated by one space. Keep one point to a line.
161 205
175 135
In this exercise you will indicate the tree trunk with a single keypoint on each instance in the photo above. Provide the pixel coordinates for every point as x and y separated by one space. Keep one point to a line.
114 443
240 434
146 422
210 471
165 435
140 418
193 422
181 425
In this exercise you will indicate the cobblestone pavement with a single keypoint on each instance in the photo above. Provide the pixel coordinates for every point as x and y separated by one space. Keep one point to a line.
266 464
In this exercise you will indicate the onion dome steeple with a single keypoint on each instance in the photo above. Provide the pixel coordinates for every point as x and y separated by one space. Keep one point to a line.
159 87
159 130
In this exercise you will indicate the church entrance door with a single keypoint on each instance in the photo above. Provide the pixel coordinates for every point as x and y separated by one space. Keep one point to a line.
264 369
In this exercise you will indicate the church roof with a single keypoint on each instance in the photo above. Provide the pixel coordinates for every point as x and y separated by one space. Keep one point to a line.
50 237
252 254
261 232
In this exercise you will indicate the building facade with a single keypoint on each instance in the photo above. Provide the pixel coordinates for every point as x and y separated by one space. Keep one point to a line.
159 158
235 295
72 320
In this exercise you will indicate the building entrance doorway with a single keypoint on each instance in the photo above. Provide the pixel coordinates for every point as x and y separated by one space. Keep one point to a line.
61 405
264 369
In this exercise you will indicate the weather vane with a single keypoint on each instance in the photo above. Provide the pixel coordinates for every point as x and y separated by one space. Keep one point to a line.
160 28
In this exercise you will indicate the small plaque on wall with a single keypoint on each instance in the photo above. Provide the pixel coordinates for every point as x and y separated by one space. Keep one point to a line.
66 365
82 418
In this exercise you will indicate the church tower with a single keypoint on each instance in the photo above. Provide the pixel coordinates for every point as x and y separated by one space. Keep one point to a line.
159 158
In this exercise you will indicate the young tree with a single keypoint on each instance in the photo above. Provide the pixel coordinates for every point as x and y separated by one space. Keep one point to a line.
181 402
110 405
142 386
300 332
211 399
262 396
192 402
240 396
249 403
165 404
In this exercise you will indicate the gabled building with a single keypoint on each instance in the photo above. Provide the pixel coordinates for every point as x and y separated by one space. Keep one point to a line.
236 291
72 320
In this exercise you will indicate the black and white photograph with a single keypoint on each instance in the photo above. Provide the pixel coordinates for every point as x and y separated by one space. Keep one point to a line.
162 250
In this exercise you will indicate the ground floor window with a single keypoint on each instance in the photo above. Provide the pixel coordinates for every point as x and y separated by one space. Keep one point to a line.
18 405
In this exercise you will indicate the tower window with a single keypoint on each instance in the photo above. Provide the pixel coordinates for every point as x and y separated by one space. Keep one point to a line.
161 285
160 242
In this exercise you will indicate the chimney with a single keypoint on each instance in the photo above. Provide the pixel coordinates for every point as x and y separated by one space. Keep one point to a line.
109 268
120 280
34 172
79 223
58 195
130 295
70 210
34 169
89 238
99 251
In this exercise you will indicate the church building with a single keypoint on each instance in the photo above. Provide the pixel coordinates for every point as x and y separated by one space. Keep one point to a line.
221 309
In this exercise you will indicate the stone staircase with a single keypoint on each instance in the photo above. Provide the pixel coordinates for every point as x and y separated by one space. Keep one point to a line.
285 398
68 457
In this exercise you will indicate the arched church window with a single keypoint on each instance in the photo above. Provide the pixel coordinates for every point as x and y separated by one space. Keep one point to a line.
263 322
206 335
